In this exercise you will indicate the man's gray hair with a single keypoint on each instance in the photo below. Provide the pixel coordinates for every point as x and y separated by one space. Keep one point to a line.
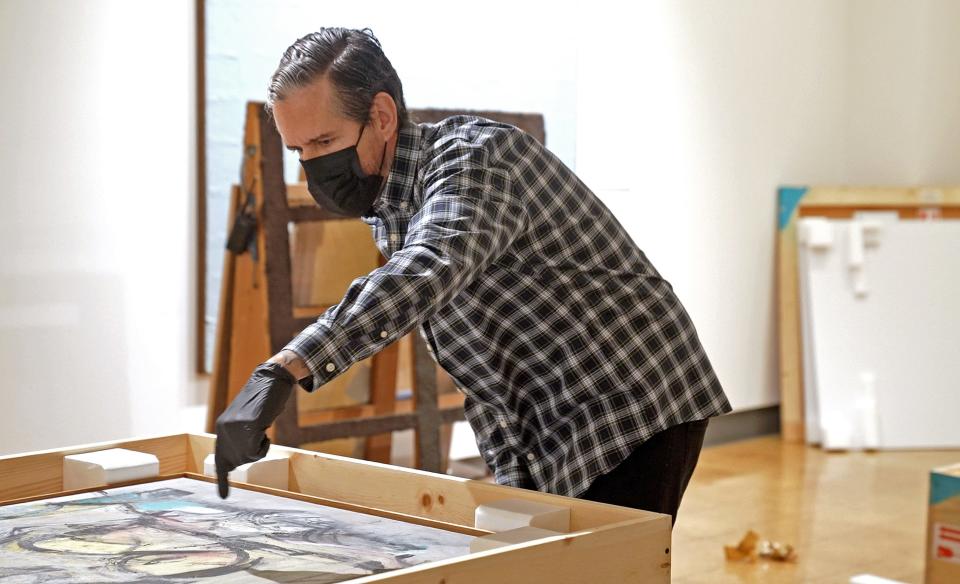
355 63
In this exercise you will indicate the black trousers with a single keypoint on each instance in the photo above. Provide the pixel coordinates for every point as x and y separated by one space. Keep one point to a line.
656 473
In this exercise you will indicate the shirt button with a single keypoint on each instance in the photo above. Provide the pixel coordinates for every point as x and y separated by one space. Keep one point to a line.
331 367
383 334
531 457
490 453
503 424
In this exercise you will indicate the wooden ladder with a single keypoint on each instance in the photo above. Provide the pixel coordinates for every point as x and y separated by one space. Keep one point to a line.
262 322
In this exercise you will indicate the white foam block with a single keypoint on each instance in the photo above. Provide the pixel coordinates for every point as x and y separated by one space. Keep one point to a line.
505 538
509 514
106 467
270 471
871 579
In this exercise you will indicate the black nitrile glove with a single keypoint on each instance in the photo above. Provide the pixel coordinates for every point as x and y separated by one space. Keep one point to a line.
241 429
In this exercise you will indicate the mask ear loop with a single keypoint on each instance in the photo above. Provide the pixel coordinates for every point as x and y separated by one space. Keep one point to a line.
355 163
362 128
383 155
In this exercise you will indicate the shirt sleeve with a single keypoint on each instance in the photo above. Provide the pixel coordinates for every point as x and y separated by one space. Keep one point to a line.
468 218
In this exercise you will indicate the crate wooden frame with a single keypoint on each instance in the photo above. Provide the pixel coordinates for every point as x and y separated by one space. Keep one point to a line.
836 203
606 543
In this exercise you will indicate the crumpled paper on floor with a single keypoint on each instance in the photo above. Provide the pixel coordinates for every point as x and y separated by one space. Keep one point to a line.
752 547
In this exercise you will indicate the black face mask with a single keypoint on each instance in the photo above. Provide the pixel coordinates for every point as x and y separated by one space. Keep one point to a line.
338 183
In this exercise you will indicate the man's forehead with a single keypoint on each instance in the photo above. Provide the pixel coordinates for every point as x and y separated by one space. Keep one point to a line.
309 112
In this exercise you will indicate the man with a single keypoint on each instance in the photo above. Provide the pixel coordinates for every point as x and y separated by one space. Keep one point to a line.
582 372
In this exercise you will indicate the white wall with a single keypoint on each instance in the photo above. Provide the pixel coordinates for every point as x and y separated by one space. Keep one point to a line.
447 54
724 101
690 116
97 216
903 124
683 115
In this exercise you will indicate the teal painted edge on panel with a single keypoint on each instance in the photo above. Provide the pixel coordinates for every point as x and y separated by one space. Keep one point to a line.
789 198
942 487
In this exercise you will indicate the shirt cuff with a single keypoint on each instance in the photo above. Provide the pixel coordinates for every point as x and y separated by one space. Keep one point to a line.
327 356
316 347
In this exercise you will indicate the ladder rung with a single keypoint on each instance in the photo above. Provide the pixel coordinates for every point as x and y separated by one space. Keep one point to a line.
446 401
311 312
357 427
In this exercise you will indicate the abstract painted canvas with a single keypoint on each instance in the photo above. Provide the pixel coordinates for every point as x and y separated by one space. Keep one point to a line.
180 530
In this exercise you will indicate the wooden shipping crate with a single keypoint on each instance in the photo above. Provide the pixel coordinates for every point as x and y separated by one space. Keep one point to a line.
606 543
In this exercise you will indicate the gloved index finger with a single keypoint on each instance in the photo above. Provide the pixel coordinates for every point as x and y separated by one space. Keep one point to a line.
223 468
223 486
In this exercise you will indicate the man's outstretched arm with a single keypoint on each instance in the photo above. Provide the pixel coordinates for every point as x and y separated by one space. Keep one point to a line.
468 219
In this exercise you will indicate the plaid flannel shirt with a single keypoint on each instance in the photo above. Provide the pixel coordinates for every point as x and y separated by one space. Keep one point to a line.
570 347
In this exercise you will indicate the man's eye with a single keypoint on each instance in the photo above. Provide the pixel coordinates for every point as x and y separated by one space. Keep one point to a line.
326 142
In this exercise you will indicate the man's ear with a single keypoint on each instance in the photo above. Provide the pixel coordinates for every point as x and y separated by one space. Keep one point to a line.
383 114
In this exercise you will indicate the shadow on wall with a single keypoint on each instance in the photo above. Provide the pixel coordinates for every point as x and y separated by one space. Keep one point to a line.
63 357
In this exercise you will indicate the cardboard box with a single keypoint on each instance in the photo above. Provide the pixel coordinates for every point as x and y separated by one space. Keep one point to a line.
943 526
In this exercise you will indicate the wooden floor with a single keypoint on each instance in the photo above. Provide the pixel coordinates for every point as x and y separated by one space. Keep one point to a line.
846 513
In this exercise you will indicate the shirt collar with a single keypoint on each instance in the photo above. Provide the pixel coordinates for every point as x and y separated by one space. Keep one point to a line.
399 185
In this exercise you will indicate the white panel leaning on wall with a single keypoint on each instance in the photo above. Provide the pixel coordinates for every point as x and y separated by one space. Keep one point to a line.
881 331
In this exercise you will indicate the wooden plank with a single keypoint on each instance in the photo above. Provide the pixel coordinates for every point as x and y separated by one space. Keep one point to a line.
327 256
416 492
627 552
40 497
427 444
219 380
383 398
790 339
303 242
860 197
425 494
26 475
530 123
468 530
838 203
403 406
200 55
298 195
250 339
249 343
381 424
906 213
199 446
312 312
